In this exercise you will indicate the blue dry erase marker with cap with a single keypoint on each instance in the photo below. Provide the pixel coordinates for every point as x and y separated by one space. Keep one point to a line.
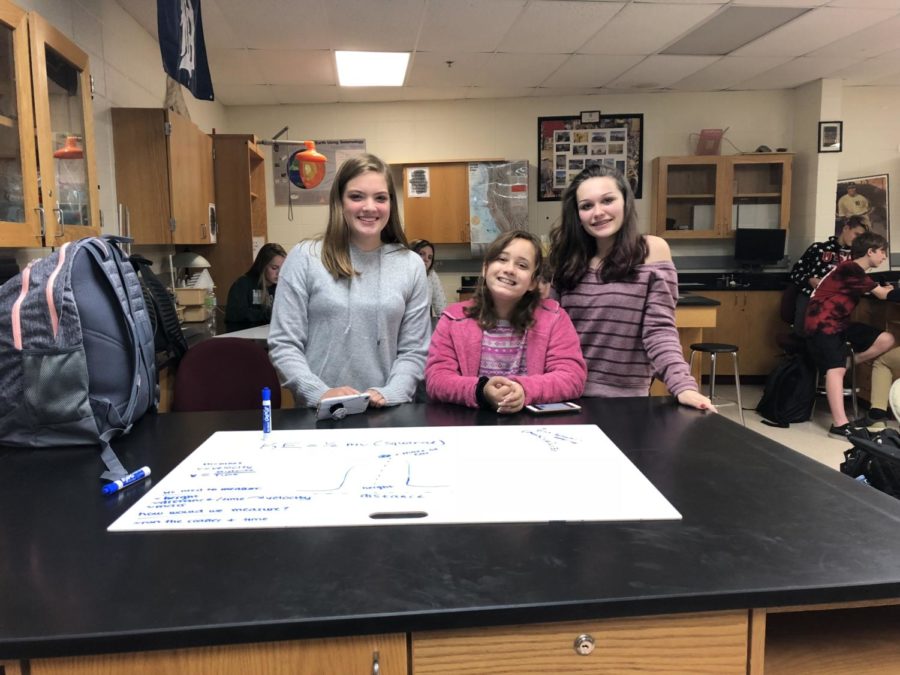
130 479
267 410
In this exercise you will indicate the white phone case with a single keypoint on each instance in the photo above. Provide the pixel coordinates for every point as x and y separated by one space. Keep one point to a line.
338 407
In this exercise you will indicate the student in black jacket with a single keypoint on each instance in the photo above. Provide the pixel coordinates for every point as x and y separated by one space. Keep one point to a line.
250 297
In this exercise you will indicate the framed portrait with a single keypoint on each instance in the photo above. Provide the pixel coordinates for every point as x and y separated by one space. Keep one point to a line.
567 144
866 197
831 136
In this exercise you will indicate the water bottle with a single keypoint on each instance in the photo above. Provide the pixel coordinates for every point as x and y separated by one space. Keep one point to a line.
210 304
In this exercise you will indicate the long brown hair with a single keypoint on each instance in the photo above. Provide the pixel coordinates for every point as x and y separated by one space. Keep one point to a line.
483 310
336 240
571 248
257 270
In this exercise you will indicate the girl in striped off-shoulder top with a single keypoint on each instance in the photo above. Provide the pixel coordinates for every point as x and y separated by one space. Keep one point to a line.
619 288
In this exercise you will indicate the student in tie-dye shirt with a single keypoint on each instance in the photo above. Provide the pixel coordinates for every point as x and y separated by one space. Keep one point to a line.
507 347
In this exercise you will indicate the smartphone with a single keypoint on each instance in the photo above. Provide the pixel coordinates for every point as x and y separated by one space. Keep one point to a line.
338 407
548 408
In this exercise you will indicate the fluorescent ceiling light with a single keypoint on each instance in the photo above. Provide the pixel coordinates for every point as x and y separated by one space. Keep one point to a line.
732 28
371 69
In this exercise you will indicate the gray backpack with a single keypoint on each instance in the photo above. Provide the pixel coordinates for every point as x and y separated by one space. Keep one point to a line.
77 362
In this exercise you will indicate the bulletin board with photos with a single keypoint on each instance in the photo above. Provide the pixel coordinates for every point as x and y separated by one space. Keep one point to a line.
566 146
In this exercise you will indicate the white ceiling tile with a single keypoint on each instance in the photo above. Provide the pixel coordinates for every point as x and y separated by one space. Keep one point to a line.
594 70
871 71
795 73
218 32
467 25
374 25
557 27
872 41
783 3
271 24
369 94
647 28
812 30
873 4
232 66
891 81
290 66
242 94
289 94
656 72
518 70
501 92
728 71
435 93
431 70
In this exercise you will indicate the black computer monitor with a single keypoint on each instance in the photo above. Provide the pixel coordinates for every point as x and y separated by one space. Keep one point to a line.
755 248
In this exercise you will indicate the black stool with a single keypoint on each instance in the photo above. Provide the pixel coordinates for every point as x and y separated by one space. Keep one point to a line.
714 349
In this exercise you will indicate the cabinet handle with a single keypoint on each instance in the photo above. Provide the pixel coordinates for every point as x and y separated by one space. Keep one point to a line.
203 231
40 210
60 230
584 644
376 669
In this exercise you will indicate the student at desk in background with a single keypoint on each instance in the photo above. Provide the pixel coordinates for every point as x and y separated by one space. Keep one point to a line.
250 296
620 288
819 259
507 347
425 249
352 312
829 329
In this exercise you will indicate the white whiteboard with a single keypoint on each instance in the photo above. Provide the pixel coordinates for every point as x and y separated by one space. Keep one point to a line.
312 478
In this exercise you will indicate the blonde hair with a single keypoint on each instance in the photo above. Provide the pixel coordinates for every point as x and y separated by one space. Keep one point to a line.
336 240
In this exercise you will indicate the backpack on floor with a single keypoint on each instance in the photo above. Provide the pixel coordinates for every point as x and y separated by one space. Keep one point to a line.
790 392
77 363
875 461
167 334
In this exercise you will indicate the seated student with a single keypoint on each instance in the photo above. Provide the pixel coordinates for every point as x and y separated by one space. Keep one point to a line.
818 260
250 297
507 347
425 249
828 325
885 370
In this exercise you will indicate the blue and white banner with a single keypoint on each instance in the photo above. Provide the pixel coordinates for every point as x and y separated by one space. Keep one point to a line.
182 46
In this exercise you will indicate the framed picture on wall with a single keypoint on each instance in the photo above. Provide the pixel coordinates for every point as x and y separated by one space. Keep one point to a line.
831 136
867 198
566 145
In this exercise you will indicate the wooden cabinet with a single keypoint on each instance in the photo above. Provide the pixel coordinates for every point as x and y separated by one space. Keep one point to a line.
714 642
48 177
164 178
298 657
704 197
750 320
240 196
443 216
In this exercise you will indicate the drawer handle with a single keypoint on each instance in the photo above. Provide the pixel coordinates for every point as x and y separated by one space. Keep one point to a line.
376 668
584 644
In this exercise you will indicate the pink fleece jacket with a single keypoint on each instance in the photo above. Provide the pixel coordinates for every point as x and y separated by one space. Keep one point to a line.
553 360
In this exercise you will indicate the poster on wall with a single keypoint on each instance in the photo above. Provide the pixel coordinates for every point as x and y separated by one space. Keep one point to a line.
287 187
498 201
566 146
867 198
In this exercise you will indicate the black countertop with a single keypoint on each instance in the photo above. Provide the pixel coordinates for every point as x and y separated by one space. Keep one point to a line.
762 526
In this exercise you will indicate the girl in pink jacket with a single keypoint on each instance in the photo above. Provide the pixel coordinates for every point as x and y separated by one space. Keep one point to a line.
507 347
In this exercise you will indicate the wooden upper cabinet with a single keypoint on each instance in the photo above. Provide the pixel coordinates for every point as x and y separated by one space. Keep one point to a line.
48 184
164 179
705 197
443 216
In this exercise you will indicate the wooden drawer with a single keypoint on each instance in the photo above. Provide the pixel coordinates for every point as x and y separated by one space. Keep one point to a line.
299 657
714 643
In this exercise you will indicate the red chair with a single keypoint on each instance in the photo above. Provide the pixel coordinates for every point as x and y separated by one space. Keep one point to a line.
224 374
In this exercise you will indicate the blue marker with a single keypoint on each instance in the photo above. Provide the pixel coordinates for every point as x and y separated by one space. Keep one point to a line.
267 411
123 483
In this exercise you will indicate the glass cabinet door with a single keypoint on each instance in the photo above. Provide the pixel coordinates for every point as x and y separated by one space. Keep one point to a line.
65 135
759 196
688 196
19 218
